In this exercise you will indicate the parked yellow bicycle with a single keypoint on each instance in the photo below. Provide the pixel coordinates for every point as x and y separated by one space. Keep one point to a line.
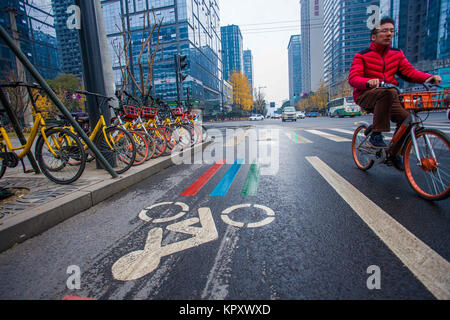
59 152
115 143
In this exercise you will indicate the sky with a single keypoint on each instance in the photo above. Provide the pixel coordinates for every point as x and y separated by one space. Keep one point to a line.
266 27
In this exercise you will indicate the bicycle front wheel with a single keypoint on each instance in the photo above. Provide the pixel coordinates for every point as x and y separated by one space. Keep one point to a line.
361 153
430 177
60 156
118 148
141 147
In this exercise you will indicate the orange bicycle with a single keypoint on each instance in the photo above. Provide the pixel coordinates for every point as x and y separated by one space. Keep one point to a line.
426 152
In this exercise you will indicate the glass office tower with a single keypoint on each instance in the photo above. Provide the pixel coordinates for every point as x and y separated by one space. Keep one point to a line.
345 33
312 31
232 50
248 66
189 27
68 39
295 69
34 23
422 27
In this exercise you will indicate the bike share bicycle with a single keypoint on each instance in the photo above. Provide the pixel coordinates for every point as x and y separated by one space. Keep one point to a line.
425 151
59 152
114 142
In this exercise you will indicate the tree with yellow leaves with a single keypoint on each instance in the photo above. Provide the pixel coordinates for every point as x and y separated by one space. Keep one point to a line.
242 91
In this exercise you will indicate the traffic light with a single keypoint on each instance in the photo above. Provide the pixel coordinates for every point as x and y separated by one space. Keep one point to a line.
183 65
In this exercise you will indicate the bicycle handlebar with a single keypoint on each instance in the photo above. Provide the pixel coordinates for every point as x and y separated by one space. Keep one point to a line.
94 94
20 84
428 86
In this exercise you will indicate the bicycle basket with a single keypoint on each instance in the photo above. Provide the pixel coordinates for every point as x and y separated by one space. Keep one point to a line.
190 116
426 100
130 112
177 112
149 112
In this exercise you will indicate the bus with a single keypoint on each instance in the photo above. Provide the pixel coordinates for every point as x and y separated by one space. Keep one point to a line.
343 107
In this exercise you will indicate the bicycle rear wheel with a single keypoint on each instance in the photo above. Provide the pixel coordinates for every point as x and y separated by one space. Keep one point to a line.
361 153
431 177
61 157
119 150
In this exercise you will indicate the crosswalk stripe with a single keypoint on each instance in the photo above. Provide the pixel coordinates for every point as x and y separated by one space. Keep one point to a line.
343 131
328 136
428 266
296 138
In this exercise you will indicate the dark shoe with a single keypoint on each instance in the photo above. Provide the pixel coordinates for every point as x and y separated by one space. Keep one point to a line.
376 141
397 161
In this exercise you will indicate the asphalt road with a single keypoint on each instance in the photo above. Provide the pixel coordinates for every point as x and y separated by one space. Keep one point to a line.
301 222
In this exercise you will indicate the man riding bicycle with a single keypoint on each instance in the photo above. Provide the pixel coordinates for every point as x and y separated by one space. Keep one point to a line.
380 63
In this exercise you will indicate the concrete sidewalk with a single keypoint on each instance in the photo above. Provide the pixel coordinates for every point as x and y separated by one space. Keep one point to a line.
42 204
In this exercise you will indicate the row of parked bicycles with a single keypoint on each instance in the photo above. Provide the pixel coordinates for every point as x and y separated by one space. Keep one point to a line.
136 134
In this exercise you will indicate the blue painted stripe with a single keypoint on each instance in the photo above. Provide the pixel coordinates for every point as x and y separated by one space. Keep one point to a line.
227 180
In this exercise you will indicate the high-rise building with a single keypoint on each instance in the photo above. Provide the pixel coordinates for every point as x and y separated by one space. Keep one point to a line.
295 69
422 33
189 27
422 27
312 14
33 24
68 39
346 32
248 66
232 50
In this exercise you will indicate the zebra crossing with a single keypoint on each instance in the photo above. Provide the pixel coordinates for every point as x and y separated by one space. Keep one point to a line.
308 136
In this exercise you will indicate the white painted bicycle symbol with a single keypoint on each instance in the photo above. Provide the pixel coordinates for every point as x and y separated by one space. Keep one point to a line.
138 264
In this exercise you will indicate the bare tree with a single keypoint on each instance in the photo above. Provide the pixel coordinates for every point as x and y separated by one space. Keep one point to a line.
259 101
149 49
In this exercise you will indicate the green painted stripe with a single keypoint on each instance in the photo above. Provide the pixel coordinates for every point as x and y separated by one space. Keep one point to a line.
251 183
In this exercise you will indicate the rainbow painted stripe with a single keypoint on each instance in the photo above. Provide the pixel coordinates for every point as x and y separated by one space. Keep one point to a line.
250 188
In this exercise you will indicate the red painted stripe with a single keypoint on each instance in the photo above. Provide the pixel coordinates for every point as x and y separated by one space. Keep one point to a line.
200 183
77 298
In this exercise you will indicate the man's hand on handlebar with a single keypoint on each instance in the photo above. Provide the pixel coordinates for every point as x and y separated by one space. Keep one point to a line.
434 79
374 83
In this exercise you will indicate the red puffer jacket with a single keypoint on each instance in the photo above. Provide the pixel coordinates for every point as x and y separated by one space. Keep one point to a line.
383 63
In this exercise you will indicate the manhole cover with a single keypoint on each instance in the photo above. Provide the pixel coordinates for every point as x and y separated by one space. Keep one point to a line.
17 193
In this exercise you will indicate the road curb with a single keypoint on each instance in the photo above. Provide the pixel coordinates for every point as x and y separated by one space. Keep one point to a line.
41 218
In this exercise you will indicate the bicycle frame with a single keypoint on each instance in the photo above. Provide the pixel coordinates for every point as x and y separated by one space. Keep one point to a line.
38 125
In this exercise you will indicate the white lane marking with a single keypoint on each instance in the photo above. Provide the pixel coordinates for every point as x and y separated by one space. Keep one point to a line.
300 139
138 264
429 267
328 136
219 277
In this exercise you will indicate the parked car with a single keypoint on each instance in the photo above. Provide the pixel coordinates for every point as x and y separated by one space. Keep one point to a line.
256 117
289 113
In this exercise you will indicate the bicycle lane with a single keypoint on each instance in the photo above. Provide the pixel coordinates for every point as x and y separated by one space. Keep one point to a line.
280 260
298 255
